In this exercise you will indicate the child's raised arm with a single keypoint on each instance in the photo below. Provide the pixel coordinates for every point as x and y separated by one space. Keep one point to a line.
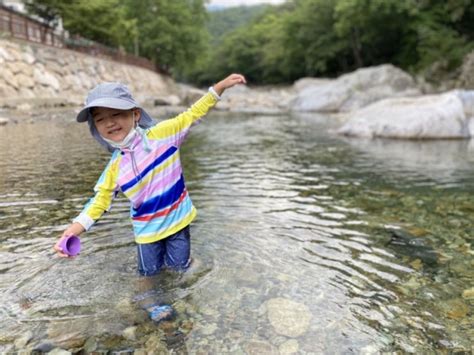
231 80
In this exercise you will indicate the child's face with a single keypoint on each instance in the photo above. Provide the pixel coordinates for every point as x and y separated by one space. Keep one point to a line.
114 124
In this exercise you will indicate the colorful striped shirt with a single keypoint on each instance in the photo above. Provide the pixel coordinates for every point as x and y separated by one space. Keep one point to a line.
152 179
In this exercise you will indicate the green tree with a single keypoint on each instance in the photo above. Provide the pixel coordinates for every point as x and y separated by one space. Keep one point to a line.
170 32
104 21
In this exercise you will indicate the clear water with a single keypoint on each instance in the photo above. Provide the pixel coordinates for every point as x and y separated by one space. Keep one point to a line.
373 240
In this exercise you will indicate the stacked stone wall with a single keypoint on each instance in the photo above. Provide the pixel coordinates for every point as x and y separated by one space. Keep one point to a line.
39 74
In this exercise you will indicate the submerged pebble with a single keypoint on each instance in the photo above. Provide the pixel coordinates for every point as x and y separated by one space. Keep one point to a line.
288 317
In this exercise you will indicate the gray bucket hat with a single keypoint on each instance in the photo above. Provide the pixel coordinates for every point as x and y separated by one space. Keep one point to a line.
111 95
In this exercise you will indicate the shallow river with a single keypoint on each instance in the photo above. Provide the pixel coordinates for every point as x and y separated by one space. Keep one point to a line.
305 242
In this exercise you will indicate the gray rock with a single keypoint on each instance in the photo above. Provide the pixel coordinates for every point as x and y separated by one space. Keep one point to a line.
130 333
289 347
288 318
170 100
90 345
259 347
154 345
304 83
190 95
70 335
21 342
354 90
58 351
430 116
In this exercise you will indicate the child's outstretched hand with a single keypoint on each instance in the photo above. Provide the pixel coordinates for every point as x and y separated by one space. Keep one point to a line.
231 80
73 229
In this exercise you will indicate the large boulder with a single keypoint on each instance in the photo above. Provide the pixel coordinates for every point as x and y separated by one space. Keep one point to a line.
354 90
447 115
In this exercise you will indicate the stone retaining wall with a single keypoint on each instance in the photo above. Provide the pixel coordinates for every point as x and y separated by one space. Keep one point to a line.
41 75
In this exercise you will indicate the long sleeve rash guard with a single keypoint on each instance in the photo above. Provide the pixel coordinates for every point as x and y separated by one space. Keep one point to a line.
150 175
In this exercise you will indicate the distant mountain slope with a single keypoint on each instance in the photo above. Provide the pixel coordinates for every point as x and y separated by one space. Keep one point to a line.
224 20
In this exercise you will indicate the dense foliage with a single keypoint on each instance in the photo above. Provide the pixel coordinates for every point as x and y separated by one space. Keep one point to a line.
221 22
329 37
275 44
169 32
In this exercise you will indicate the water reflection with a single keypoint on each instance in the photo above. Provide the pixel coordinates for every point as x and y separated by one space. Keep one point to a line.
338 232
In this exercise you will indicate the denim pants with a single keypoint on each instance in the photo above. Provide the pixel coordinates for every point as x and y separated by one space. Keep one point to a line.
172 252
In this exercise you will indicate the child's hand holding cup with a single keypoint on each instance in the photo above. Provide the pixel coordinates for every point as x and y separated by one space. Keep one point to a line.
69 244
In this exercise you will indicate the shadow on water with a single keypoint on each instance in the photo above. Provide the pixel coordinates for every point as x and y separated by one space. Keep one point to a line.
306 242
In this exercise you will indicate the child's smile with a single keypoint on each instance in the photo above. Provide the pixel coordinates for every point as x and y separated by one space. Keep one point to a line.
112 123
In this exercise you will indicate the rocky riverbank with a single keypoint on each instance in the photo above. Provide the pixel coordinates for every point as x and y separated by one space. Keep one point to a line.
382 101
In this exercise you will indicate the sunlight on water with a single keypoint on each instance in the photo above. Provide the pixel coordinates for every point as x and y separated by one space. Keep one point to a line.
305 242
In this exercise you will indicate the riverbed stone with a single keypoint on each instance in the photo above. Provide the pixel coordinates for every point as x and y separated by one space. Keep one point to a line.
58 351
21 342
354 90
288 318
154 345
130 333
289 347
425 117
259 347
468 294
68 334
455 309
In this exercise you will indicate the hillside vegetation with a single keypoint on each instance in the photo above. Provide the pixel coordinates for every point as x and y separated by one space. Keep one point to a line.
276 44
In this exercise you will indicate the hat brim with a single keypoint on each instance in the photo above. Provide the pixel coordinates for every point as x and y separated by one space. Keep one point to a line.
83 115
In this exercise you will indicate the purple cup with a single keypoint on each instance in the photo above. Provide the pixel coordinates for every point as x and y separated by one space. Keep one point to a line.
71 245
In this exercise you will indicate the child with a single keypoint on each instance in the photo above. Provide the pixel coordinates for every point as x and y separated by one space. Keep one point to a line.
145 166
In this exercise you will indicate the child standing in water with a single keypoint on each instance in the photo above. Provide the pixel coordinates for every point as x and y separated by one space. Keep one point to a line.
145 166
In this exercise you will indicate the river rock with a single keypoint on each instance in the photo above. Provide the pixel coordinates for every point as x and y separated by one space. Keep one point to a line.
190 95
154 345
21 342
262 100
58 351
289 347
130 333
304 83
468 294
354 90
258 347
428 117
70 334
170 100
4 121
288 318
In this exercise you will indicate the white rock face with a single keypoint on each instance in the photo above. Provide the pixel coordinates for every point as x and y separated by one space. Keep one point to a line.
426 117
354 90
288 318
